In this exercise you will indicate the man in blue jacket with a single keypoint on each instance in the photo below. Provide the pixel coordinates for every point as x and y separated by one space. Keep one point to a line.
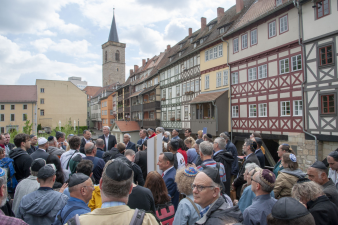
166 164
230 147
81 188
259 152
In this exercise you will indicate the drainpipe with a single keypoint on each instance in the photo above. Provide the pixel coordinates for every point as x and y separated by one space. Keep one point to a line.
216 115
229 86
300 25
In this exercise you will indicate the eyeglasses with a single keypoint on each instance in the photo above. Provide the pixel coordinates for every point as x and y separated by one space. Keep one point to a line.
255 181
91 186
200 187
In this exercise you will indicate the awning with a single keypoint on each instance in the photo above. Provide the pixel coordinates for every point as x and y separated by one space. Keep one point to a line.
135 94
207 97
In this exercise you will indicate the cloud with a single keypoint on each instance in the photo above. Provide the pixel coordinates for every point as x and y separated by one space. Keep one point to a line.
23 67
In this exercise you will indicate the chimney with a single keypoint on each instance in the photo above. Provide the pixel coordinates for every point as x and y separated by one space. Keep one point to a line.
147 59
204 22
220 14
135 68
190 32
168 47
143 62
239 5
131 72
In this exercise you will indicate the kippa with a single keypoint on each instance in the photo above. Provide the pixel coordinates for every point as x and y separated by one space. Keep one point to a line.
31 136
77 178
288 208
293 158
209 135
118 170
258 140
37 164
176 130
50 138
46 172
199 141
226 133
213 173
334 155
302 180
42 141
284 144
267 177
169 156
190 172
2 172
319 165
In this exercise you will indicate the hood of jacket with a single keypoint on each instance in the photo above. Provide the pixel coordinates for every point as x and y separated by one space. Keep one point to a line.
15 153
225 156
43 202
297 173
52 149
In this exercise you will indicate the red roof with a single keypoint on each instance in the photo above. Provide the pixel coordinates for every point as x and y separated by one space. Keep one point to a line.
127 126
91 90
18 93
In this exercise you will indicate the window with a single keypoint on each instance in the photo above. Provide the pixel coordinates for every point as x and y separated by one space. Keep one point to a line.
151 115
283 24
111 121
177 90
186 112
286 108
252 111
192 85
215 52
235 45
12 117
206 55
225 77
235 111
163 93
105 56
42 101
326 55
2 130
234 78
117 55
179 54
219 79
24 117
195 45
42 112
12 107
2 107
283 66
323 8
178 114
328 104
156 81
244 41
220 50
184 88
24 107
254 37
279 2
169 93
164 116
2 117
210 27
262 110
262 71
197 85
296 62
252 74
42 90
201 41
297 108
272 29
211 53
188 86
221 31
206 82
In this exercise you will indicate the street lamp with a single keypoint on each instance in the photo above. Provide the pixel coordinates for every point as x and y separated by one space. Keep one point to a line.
59 125
74 124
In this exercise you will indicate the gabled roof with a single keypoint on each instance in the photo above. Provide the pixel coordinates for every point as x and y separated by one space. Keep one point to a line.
127 126
91 90
113 31
18 93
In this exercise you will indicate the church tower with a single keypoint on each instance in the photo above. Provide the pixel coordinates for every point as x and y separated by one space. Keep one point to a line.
113 58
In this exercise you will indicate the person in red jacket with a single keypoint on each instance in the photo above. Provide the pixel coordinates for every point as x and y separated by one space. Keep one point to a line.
182 150
151 132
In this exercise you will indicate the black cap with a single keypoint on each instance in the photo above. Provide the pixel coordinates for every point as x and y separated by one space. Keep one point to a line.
176 130
288 208
46 172
213 173
319 165
259 141
169 156
174 143
199 141
302 180
226 133
50 138
334 155
37 164
209 136
118 170
77 178
31 136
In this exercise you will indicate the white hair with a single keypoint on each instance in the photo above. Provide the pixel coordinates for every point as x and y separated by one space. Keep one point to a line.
167 133
160 129
127 135
250 166
106 127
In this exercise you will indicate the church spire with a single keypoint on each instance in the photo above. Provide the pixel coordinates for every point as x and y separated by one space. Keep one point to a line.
113 31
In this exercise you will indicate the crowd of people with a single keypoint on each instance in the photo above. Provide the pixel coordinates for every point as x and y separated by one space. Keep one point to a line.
72 180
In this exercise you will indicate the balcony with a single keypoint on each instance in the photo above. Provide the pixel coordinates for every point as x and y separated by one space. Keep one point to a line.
151 123
120 110
127 109
120 98
151 105
136 108
126 95
198 124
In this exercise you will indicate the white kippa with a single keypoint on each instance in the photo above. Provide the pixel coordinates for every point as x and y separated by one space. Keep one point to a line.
42 141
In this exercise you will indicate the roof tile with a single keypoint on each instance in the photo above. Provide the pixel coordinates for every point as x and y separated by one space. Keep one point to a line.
18 93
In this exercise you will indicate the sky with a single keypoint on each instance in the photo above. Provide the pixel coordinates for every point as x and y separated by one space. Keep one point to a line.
54 40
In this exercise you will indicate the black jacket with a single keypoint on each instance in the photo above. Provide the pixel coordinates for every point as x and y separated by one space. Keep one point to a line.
141 161
219 212
239 181
111 142
323 211
31 149
226 159
331 192
111 154
82 145
39 153
22 163
10 146
261 157
138 176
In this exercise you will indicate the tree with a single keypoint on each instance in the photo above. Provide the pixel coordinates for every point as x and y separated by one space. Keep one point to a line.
27 129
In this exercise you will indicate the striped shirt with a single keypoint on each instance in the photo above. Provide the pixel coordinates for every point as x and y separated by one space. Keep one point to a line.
212 163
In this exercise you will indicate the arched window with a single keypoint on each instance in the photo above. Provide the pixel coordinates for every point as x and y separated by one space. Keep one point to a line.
105 56
117 55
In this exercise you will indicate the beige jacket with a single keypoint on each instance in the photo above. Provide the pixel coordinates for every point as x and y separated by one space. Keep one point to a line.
285 181
114 215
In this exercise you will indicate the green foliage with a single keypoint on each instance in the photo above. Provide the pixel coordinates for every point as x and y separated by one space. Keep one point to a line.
39 127
27 129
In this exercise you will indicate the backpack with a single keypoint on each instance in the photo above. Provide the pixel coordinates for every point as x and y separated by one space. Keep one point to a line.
7 164
61 218
166 213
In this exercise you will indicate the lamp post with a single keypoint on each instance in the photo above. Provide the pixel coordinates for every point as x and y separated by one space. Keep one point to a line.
74 125
78 126
59 125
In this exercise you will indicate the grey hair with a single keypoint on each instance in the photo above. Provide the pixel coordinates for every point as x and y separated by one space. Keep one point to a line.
52 141
221 142
160 129
129 152
307 191
106 127
250 166
99 142
206 148
127 135
223 135
167 133
89 150
265 187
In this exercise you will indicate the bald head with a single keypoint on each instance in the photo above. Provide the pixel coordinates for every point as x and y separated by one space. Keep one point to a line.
90 149
82 191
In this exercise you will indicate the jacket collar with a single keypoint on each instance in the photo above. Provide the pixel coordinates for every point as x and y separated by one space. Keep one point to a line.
111 210
330 182
312 204
213 207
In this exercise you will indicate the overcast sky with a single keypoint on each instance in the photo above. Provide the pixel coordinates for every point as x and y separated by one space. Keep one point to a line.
56 39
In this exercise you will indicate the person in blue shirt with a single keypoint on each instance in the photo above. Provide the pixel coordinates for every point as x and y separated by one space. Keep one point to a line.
81 188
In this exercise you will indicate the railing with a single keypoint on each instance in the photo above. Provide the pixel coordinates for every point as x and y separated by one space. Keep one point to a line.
151 123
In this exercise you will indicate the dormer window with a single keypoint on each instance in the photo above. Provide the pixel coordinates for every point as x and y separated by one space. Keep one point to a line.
179 54
191 40
201 41
221 31
195 44
170 59
279 2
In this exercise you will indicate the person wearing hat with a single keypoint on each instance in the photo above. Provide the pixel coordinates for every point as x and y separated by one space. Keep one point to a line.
206 190
53 147
289 211
116 185
42 205
41 152
311 194
332 160
259 152
6 220
262 183
80 187
174 134
318 173
208 137
28 185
